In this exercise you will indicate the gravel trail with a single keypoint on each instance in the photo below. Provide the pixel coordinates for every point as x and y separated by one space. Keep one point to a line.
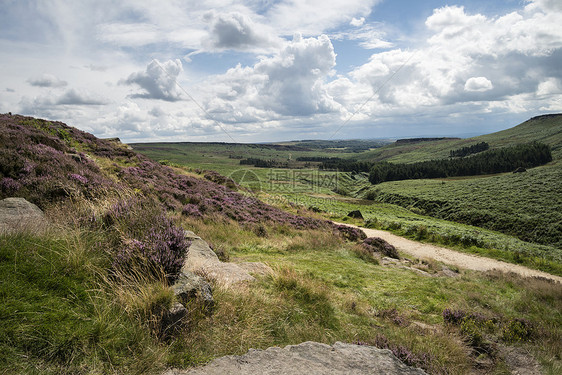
448 256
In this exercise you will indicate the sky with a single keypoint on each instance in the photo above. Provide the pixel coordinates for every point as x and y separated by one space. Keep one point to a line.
279 70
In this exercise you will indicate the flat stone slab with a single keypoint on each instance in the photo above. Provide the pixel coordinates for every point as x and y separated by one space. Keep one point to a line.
310 358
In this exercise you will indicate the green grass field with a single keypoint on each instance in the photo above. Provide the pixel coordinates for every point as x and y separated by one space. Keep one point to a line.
514 217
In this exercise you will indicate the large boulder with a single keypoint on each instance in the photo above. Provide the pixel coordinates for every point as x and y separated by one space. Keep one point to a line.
355 214
309 358
18 214
202 260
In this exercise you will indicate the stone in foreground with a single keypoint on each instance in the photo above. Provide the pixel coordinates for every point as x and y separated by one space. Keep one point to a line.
310 358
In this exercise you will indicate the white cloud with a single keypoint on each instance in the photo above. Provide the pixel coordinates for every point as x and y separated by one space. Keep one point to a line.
47 80
551 86
357 21
369 36
314 17
291 83
129 34
158 81
468 59
79 97
235 31
479 84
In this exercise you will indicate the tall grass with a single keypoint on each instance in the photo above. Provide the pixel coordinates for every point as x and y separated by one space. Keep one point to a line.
56 314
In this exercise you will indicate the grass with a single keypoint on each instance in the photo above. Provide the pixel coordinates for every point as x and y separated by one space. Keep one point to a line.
541 129
57 316
527 205
62 313
323 291
407 223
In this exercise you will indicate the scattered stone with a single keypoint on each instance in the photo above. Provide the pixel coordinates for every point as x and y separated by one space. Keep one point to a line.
189 287
386 260
309 358
18 214
355 214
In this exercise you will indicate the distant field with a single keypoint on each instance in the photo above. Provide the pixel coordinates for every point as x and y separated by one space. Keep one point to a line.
526 205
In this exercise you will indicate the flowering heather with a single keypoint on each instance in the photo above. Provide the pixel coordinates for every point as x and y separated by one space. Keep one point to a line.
38 161
350 233
145 235
47 161
376 244
423 360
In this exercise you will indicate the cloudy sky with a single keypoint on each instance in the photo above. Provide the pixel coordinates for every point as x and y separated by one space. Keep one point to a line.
272 70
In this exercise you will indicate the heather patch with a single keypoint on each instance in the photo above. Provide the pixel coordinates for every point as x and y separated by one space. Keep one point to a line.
376 244
37 162
144 237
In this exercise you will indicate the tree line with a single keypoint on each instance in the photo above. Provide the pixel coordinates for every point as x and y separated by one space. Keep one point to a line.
492 161
469 150
261 163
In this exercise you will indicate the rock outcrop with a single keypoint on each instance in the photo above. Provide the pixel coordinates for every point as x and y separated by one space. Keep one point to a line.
309 358
189 286
202 260
355 214
19 214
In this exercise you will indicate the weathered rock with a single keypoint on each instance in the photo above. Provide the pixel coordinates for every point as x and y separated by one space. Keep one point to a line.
309 358
520 361
189 287
19 214
355 214
201 259
225 274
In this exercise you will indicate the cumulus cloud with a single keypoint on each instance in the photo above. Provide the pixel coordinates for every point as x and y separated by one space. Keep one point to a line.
47 80
478 84
234 31
467 58
76 97
291 83
158 81
550 86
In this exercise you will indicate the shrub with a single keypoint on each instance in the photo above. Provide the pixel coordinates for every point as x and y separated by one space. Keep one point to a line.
350 233
518 330
376 244
145 237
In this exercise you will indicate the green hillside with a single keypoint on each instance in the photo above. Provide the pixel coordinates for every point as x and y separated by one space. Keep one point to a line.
545 129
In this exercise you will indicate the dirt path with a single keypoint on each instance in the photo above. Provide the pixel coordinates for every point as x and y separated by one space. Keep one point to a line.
447 256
